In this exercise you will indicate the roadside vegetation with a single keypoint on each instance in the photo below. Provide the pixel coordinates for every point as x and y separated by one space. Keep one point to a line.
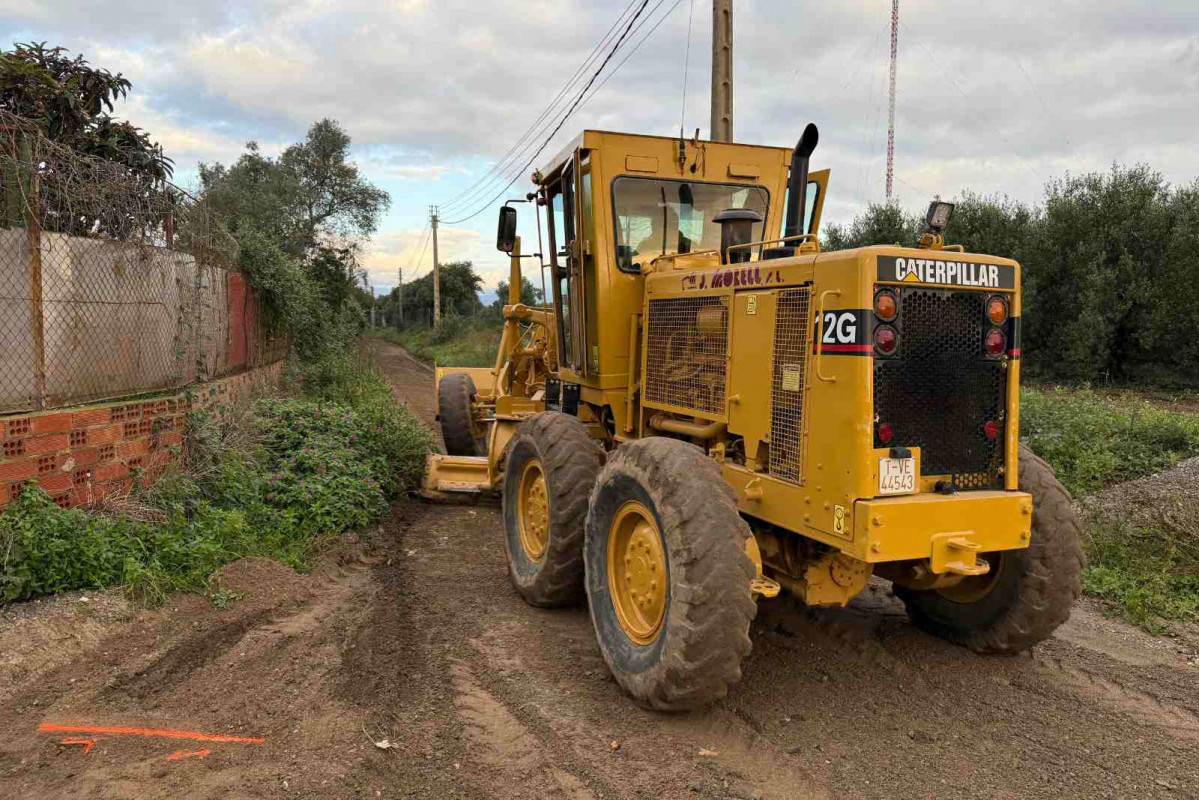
1142 533
458 341
277 477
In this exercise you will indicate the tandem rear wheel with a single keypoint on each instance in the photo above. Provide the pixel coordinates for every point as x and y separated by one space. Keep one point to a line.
1027 593
668 579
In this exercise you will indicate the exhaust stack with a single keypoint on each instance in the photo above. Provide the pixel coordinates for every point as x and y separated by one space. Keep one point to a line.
797 185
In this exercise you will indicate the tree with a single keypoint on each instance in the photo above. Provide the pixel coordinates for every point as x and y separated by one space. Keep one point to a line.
311 196
460 286
311 203
68 99
880 224
530 295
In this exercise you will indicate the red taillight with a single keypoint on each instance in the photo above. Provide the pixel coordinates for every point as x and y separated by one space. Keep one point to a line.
995 342
885 434
885 339
991 429
885 306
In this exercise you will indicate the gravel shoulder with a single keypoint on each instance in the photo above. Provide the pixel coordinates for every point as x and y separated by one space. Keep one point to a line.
412 634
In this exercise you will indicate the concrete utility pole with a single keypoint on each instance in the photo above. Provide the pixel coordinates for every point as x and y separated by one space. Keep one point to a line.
400 300
436 270
722 70
891 113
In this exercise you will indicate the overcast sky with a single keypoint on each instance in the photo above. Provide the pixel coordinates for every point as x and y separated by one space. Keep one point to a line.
993 97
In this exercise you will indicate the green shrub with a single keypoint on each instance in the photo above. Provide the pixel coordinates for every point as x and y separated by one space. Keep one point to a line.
1093 442
459 341
275 482
1146 571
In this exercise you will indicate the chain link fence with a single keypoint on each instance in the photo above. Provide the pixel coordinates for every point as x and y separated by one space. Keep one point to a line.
111 284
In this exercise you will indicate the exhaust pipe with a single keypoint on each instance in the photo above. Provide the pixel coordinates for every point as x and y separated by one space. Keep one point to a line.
797 185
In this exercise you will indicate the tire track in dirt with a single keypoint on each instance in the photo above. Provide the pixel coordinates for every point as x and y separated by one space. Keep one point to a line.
481 696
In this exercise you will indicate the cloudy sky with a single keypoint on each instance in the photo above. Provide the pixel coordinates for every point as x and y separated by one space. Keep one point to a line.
994 97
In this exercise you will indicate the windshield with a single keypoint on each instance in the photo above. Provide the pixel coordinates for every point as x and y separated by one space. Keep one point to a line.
655 217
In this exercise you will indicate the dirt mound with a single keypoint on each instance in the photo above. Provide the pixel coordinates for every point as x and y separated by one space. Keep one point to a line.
258 578
1142 501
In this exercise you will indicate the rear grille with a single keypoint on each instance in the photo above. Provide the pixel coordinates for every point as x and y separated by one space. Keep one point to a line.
788 384
939 390
687 353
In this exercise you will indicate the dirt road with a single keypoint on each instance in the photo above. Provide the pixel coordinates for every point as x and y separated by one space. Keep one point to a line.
413 635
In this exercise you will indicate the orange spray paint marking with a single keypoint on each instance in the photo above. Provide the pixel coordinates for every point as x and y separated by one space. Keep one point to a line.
47 727
178 754
88 744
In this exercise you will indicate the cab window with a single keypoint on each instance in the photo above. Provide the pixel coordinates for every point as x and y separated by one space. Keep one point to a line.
660 217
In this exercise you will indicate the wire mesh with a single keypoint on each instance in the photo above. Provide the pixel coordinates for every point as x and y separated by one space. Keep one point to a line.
111 283
788 383
687 353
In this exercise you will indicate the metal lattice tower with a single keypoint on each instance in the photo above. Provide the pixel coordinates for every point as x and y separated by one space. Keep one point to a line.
891 112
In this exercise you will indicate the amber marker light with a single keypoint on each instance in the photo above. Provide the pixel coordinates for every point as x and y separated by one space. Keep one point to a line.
885 306
997 310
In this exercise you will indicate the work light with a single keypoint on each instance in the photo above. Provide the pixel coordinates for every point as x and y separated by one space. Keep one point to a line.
938 216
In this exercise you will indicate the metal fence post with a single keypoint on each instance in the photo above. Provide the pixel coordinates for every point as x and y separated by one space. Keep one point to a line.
33 230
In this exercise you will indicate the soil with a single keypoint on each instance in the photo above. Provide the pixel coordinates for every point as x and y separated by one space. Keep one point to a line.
406 666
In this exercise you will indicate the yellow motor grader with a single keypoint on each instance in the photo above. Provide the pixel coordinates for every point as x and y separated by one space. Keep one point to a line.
714 410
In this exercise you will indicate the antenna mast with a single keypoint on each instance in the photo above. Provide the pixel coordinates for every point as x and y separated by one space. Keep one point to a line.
891 113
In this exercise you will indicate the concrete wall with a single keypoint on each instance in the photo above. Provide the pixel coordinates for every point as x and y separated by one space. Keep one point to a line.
119 319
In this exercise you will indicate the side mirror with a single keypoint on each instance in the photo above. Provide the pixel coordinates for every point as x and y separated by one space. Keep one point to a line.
505 238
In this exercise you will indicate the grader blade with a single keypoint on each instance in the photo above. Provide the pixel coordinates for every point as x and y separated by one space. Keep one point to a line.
456 479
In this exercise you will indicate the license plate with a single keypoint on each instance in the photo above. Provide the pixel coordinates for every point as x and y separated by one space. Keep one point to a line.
896 475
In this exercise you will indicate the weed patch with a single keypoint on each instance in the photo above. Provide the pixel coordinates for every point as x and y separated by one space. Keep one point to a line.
277 479
459 341
1094 442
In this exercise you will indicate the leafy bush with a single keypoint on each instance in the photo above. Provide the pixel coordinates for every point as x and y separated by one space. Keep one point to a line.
1146 571
1093 442
275 482
459 341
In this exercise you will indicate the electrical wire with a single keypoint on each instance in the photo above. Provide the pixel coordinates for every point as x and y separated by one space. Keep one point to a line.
686 69
500 165
570 111
584 100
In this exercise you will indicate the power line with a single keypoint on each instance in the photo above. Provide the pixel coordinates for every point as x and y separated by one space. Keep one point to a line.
515 175
578 98
686 68
524 137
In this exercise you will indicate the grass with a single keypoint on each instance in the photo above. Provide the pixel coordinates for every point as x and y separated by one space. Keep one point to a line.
278 478
1146 570
1142 546
458 342
1094 441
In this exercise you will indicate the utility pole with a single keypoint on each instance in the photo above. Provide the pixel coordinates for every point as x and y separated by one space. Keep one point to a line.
891 113
436 270
400 300
722 71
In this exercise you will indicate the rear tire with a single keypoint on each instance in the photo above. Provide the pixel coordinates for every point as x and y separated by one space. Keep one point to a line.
684 649
455 394
1029 592
551 467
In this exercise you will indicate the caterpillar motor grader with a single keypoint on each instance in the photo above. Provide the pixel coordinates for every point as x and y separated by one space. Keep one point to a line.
714 410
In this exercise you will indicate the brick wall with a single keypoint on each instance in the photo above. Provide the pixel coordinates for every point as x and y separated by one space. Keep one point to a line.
79 455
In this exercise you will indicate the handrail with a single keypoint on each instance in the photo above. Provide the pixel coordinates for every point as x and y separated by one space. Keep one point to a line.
798 237
820 339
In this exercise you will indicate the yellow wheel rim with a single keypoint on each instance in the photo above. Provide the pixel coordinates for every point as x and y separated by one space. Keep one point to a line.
976 587
533 511
637 572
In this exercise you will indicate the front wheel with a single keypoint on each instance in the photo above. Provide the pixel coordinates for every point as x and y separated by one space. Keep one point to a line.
1027 593
667 575
550 468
